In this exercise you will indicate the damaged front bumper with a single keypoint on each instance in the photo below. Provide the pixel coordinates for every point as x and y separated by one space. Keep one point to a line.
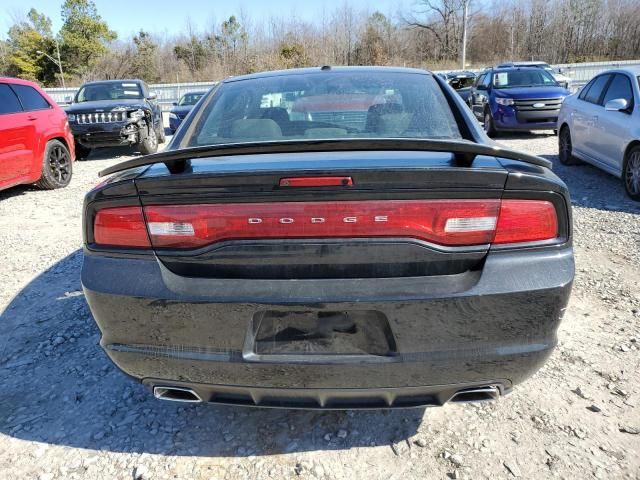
113 134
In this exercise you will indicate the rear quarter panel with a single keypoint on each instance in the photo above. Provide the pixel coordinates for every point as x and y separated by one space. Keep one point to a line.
52 124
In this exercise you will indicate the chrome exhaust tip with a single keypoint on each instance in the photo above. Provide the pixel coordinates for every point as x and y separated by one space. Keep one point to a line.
480 394
176 394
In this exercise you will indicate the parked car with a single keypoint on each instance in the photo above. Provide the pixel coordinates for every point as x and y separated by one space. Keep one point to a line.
401 260
562 80
516 98
182 108
111 113
36 144
461 82
601 125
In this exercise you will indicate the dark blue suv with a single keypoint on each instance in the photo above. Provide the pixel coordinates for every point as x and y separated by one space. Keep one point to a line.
516 98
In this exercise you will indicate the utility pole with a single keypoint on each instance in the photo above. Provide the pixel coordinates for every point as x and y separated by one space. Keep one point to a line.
57 62
60 63
465 12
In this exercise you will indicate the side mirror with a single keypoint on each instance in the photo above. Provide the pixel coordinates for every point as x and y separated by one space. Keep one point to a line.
175 104
152 96
68 99
481 87
616 105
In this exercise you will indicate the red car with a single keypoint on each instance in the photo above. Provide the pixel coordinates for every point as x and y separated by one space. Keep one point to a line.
36 144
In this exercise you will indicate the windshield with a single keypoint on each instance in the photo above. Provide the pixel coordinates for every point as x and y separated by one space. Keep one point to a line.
325 105
525 77
109 91
190 99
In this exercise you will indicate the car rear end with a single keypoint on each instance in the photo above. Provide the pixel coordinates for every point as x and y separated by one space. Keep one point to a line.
329 278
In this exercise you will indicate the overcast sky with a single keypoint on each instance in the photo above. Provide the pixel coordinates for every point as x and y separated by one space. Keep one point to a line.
128 16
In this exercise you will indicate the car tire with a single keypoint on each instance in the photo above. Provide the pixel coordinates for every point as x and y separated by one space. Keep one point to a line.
489 126
82 152
57 167
631 173
565 148
149 143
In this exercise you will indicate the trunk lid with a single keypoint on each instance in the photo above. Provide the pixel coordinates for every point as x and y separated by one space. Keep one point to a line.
332 244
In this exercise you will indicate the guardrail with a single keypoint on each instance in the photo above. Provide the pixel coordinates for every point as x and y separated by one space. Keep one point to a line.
580 74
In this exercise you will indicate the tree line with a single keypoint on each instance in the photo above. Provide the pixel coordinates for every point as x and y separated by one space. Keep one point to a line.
428 34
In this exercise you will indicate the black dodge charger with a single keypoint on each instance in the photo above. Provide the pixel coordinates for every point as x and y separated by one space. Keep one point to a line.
329 238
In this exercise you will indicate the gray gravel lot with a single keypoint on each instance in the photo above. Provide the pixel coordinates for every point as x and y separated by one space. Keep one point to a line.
67 413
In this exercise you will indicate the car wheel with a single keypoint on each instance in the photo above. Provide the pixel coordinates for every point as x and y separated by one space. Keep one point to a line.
150 143
489 127
565 148
56 166
631 175
82 152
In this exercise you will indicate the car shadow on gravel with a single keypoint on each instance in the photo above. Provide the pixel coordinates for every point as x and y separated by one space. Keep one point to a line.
60 388
591 187
16 191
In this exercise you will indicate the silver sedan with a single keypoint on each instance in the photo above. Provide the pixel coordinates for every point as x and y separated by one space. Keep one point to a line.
600 125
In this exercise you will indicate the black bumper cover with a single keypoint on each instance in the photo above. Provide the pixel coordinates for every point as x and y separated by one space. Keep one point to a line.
105 134
165 329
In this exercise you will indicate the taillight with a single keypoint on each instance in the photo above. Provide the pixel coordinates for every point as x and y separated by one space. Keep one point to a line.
120 227
316 182
526 221
443 222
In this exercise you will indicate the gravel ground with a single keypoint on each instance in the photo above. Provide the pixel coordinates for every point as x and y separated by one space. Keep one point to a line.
67 413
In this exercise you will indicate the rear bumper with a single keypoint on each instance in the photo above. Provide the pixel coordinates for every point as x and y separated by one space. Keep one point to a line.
165 329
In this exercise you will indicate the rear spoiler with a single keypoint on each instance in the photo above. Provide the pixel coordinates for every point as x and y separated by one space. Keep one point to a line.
464 151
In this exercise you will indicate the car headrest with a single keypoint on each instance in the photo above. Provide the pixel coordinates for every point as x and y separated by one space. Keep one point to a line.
258 128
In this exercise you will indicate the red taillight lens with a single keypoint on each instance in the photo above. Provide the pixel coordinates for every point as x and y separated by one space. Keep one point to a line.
526 221
446 222
316 182
121 227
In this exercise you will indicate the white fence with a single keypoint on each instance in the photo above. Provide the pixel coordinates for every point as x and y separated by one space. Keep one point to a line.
580 73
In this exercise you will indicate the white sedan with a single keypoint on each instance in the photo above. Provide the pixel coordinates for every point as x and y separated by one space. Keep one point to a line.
600 125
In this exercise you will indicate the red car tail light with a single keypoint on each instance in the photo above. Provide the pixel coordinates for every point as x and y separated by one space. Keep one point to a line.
316 182
120 227
445 222
526 221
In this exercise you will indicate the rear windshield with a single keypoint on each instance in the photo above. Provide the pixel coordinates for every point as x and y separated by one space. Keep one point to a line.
326 105
526 77
109 91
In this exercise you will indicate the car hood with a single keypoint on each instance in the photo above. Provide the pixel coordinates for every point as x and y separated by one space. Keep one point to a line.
106 105
532 92
561 78
182 109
